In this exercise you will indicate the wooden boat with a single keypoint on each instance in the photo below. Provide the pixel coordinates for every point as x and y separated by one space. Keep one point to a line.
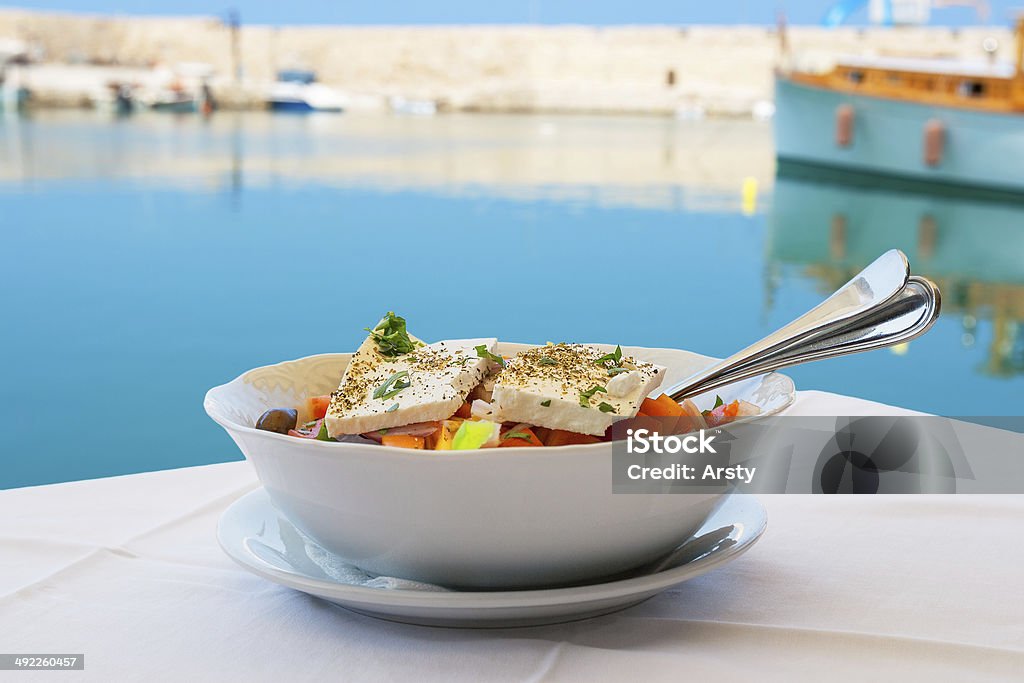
931 120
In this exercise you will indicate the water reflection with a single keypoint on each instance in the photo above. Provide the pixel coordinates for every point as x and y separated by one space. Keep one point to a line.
970 245
171 253
640 162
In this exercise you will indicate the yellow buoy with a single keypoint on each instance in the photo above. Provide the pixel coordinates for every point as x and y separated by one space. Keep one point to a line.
749 196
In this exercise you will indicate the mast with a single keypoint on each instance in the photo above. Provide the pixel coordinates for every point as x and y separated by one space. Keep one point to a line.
1019 36
1017 85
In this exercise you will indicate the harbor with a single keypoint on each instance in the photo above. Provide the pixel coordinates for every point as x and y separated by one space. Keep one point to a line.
532 341
70 60
242 200
779 158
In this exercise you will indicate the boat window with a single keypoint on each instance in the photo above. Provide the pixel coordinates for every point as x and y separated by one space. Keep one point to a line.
856 76
972 88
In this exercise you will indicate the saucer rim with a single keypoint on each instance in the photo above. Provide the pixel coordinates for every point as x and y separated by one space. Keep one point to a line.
744 509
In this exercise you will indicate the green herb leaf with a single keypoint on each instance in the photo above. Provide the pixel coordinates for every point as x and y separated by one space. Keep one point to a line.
482 352
585 395
393 386
614 371
605 407
547 360
615 358
546 404
392 409
516 435
322 434
391 336
718 401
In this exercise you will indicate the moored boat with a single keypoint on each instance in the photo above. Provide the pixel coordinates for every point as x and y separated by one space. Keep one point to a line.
298 91
931 120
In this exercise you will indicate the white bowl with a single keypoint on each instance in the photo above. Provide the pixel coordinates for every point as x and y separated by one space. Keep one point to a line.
503 517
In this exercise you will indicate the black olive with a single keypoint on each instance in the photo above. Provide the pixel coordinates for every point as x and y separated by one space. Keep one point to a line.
278 420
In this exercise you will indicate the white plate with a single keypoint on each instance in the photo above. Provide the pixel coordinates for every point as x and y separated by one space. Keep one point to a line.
254 534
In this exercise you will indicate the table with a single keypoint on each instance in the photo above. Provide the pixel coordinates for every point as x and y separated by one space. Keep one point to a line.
127 571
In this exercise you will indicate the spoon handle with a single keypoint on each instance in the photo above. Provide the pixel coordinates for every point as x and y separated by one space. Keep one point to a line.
881 306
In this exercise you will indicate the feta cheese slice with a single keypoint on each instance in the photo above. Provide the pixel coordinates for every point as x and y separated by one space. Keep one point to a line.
426 384
566 386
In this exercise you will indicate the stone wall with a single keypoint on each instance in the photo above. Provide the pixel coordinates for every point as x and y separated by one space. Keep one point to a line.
654 69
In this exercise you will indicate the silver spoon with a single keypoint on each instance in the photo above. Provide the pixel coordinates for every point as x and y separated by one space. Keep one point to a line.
881 306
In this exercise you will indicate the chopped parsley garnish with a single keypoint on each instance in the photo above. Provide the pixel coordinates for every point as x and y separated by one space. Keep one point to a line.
482 352
586 395
391 336
393 386
516 435
605 407
547 360
614 358
392 409
547 403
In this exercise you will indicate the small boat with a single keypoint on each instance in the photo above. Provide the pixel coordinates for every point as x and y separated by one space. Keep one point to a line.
174 101
297 91
116 97
928 120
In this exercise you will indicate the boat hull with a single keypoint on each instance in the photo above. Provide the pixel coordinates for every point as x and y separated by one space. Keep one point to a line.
980 149
299 107
175 107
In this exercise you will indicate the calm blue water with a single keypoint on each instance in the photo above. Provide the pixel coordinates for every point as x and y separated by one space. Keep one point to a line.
144 261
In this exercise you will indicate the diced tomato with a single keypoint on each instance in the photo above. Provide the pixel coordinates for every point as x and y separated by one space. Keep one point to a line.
465 411
664 406
668 413
542 433
560 437
316 406
528 437
732 409
404 441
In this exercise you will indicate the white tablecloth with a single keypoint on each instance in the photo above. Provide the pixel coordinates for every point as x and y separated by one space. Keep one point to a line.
127 571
